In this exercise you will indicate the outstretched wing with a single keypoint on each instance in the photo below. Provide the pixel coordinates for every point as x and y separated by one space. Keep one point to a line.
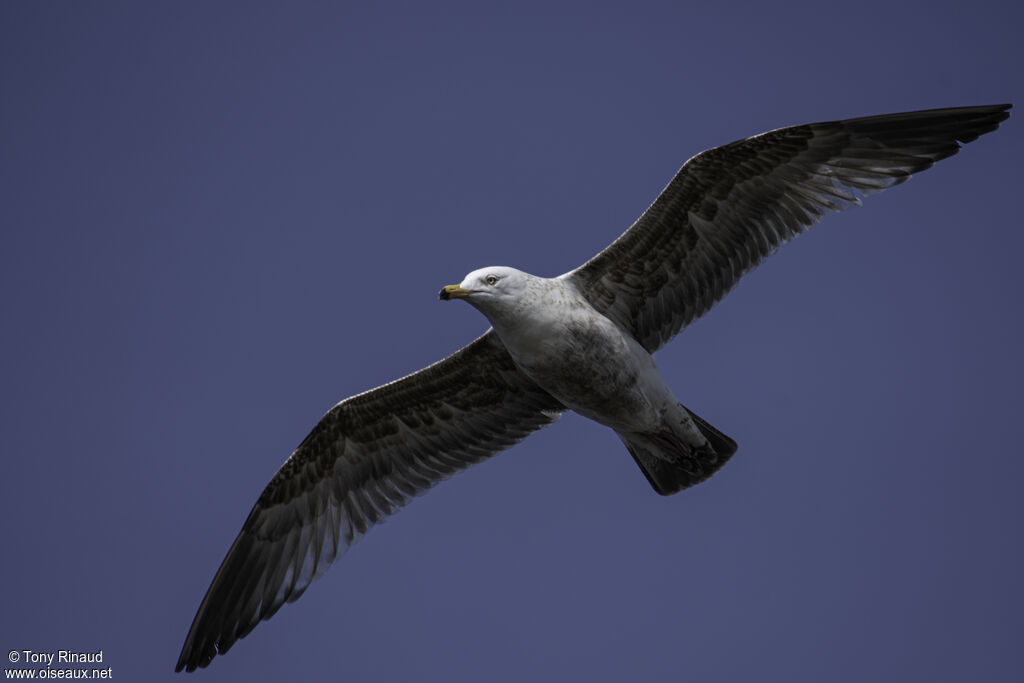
364 460
730 207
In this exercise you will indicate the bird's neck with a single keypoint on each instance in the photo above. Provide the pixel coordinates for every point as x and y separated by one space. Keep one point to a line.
533 321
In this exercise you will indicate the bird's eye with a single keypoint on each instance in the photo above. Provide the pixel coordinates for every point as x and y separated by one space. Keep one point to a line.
491 280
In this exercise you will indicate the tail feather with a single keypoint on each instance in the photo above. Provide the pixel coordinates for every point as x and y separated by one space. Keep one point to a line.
671 465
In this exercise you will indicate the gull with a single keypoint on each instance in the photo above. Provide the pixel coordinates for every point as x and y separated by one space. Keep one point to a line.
582 341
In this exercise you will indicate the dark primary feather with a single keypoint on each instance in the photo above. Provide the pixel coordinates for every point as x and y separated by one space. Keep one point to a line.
363 461
730 207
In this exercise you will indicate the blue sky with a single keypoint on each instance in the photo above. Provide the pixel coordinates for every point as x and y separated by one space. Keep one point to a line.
219 219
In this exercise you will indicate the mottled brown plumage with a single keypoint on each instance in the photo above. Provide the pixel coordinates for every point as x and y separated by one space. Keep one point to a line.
358 465
730 207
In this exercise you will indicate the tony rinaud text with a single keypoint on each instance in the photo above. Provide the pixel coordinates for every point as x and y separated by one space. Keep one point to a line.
62 657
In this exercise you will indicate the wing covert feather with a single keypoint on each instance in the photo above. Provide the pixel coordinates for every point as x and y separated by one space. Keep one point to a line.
365 459
730 207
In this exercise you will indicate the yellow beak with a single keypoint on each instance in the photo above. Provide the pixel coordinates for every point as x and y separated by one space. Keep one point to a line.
453 292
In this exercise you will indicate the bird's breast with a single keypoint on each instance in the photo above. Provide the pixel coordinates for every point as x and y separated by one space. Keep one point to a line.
587 363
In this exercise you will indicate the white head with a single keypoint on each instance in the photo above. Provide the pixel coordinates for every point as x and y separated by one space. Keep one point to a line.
492 291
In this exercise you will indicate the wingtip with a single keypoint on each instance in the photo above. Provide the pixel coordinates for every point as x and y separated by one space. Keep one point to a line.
189 661
198 651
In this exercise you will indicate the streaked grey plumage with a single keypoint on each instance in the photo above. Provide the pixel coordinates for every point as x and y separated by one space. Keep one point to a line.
725 211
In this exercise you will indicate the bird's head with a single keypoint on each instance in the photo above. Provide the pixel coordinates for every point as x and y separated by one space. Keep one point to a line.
491 290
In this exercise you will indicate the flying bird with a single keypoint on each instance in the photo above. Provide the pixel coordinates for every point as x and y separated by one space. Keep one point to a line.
581 341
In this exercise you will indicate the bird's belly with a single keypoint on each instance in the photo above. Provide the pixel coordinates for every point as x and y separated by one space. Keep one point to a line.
595 371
